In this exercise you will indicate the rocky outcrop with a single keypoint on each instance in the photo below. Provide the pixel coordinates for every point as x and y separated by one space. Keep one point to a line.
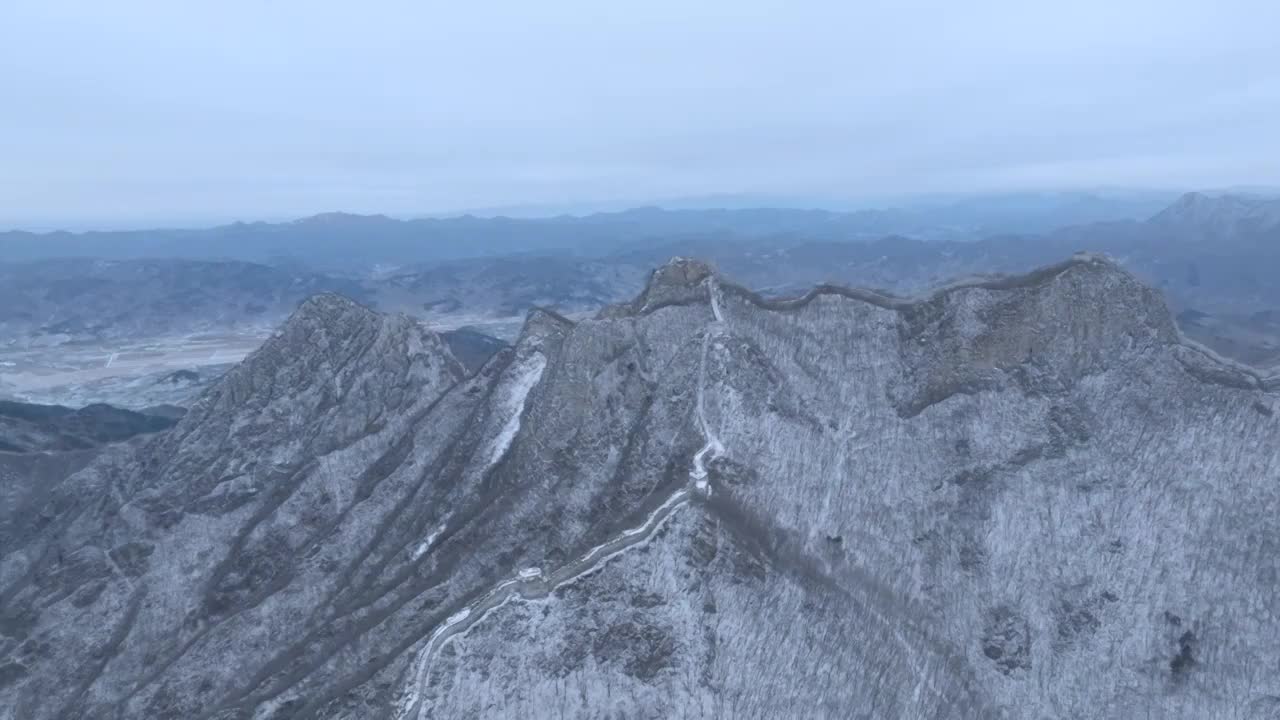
1014 497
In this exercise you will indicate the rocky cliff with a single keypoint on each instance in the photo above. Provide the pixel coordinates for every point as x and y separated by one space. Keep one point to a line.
1019 497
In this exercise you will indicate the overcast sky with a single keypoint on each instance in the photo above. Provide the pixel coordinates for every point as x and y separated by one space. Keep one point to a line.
132 112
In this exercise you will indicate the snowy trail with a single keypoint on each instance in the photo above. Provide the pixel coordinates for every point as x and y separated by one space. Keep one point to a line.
529 584
713 444
715 300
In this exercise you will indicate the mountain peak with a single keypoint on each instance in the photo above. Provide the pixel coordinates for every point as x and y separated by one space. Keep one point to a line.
328 347
1191 199
540 324
680 271
679 281
1220 215
341 218
328 307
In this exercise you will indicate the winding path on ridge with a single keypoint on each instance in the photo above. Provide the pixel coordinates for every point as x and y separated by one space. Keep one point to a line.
713 446
533 584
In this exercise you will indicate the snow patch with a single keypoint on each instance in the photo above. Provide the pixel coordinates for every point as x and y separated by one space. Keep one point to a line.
526 376
715 301
425 545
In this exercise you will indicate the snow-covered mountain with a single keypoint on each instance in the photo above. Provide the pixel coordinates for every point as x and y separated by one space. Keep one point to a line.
1022 496
1222 216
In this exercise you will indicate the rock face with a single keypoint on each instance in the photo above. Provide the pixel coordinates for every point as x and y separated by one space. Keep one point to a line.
1020 497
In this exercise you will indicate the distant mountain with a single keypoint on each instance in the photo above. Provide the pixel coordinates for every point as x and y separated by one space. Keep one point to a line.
53 300
43 445
1023 213
74 300
342 242
1217 255
26 427
472 348
506 286
998 212
1222 217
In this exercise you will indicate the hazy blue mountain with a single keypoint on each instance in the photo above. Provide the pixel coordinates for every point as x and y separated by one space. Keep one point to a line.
1217 255
471 347
28 427
82 299
343 242
1204 217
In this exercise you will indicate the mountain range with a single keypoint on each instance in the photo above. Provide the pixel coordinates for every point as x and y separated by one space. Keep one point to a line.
1217 259
341 242
1014 496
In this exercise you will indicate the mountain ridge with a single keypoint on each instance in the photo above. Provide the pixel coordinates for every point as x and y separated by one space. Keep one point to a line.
325 240
1222 271
1227 367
